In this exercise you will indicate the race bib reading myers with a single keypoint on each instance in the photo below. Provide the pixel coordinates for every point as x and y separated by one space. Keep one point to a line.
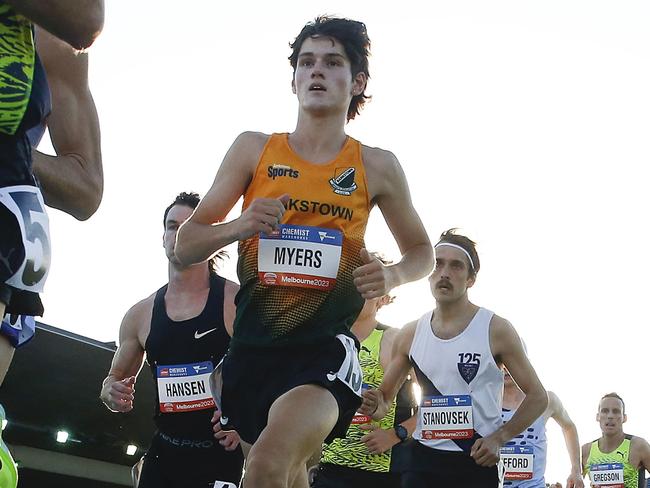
302 256
518 462
446 417
184 387
607 474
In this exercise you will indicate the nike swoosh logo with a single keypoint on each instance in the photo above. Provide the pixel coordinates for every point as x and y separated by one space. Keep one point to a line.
198 335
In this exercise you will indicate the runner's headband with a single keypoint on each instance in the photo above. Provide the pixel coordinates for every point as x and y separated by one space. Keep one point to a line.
471 261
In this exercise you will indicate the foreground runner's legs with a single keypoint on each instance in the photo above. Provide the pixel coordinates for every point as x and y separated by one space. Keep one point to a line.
298 422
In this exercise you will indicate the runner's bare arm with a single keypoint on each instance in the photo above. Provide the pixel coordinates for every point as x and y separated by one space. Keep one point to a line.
379 440
377 402
508 350
118 387
640 453
558 413
77 22
204 233
585 456
389 189
73 180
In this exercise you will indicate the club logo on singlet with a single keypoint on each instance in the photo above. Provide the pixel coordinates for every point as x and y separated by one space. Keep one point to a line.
468 364
343 181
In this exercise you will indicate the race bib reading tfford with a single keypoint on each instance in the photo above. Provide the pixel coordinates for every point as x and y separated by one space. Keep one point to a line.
446 417
518 462
184 387
302 256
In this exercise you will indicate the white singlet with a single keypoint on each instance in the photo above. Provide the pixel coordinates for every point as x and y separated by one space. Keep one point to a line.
462 386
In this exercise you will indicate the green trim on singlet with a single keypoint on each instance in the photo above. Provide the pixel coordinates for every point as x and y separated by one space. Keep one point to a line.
619 455
8 471
350 451
17 60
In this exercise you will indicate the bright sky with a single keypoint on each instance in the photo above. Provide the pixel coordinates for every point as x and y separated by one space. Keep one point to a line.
524 123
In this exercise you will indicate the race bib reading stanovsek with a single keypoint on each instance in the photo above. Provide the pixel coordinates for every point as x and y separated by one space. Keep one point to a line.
446 417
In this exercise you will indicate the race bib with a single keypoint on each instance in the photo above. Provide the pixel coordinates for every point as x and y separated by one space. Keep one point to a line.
607 474
27 205
223 484
350 371
360 418
184 387
518 462
296 255
446 417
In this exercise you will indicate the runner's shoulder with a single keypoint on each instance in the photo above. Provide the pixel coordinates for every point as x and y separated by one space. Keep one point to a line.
251 136
500 323
502 329
379 160
231 285
405 336
637 443
247 147
139 315
390 333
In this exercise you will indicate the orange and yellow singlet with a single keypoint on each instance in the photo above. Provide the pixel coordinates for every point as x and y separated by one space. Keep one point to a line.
296 284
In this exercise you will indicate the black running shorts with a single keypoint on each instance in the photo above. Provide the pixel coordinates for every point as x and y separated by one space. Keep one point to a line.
253 378
333 476
433 468
196 465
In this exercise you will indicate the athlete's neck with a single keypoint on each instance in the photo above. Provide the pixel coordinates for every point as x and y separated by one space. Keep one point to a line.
317 140
512 396
451 318
609 442
188 280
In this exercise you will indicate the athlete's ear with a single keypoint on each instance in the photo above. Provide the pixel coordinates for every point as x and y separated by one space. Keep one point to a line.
359 83
293 85
624 417
470 281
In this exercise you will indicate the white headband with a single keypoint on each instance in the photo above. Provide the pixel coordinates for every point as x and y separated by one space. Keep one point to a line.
471 261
